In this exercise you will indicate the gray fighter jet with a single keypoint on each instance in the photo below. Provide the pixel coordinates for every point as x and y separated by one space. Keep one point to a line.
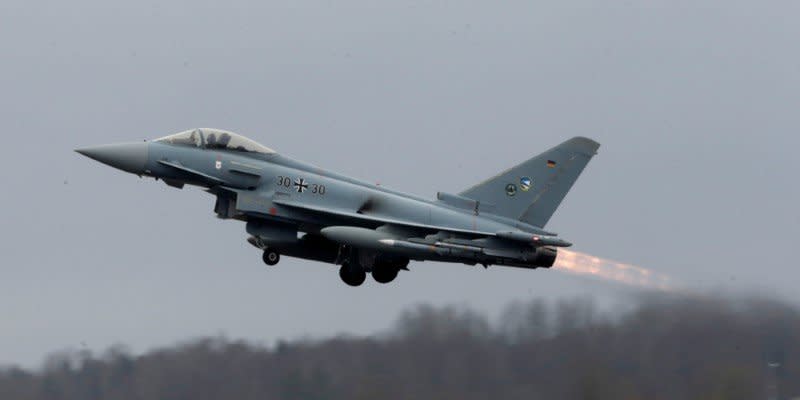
296 209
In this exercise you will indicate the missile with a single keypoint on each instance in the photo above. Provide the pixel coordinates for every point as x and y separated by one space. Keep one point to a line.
379 240
441 248
403 244
463 247
534 239
357 237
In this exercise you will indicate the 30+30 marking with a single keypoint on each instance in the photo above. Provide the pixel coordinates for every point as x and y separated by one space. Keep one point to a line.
300 185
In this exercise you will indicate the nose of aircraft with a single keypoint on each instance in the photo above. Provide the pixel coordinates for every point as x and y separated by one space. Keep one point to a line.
130 157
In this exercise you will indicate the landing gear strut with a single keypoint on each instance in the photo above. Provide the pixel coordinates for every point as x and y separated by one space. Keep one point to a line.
352 274
271 257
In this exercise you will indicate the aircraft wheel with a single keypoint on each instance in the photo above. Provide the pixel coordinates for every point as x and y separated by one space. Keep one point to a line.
352 276
271 257
384 275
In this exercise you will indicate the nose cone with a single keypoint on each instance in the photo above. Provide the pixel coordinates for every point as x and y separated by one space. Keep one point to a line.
129 157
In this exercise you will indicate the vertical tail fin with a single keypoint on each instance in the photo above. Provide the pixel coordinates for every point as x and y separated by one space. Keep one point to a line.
532 191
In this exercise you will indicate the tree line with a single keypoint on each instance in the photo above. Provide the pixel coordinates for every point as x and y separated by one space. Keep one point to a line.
663 347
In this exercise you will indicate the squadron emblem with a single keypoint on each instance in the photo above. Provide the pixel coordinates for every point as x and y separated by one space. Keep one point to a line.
525 183
511 189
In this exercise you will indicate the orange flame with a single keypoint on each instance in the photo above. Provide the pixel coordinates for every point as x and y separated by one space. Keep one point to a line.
584 264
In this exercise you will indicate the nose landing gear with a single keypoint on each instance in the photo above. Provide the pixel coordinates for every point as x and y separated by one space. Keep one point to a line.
271 257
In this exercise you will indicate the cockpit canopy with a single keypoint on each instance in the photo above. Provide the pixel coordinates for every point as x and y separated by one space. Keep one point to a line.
209 138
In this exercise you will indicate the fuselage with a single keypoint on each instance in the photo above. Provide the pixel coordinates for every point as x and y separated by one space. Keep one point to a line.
272 175
309 212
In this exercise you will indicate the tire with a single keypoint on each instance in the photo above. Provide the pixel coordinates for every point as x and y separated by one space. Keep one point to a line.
385 274
271 257
352 276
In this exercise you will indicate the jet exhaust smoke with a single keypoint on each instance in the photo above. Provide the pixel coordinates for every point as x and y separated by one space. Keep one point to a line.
577 263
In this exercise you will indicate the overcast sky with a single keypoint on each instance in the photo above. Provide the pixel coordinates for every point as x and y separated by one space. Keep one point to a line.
696 104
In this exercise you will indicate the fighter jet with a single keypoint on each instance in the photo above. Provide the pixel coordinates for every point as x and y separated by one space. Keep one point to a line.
295 209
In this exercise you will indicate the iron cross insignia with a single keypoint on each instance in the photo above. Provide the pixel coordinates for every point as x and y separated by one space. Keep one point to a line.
300 185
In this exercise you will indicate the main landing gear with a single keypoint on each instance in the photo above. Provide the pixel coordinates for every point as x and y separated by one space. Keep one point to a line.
384 274
270 257
352 271
352 274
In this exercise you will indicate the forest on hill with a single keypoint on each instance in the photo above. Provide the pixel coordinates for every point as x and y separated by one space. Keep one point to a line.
661 348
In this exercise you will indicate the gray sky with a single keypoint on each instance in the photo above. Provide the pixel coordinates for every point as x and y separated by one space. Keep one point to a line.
696 106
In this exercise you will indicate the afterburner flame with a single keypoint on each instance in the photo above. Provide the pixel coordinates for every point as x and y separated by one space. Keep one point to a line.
584 264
